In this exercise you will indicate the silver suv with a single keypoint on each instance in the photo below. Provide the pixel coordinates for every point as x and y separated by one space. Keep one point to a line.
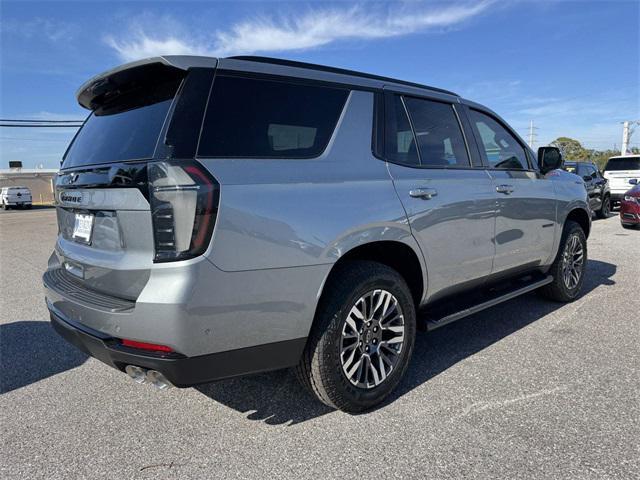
220 217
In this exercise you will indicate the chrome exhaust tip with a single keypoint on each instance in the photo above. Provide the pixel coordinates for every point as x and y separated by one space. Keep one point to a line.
137 374
152 377
158 380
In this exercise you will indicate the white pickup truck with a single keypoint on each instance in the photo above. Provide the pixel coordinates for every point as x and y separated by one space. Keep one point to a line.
18 197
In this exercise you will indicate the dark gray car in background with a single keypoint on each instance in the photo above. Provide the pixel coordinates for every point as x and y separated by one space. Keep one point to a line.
219 217
597 186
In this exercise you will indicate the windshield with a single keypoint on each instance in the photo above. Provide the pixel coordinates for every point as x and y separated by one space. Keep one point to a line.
623 163
126 129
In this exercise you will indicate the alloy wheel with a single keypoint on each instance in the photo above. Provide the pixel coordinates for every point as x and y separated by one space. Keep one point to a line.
372 339
572 262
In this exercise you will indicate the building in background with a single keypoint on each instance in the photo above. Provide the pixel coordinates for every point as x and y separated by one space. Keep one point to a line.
38 180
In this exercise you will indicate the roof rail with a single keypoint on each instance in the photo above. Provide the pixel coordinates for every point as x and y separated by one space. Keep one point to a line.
341 71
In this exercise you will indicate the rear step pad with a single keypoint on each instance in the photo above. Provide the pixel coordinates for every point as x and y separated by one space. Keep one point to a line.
451 311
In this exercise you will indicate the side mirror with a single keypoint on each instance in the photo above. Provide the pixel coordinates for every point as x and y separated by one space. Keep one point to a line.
587 178
633 181
549 158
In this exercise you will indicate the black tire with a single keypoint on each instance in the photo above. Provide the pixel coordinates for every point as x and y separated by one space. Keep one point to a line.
605 209
28 207
321 369
558 290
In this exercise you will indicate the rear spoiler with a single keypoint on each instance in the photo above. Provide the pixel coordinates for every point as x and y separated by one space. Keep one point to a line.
107 85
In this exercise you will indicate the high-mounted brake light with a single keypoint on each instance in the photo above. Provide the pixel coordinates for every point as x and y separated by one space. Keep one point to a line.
184 203
145 346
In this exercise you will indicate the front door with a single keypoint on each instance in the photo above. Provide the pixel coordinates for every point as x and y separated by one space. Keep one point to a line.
526 200
450 205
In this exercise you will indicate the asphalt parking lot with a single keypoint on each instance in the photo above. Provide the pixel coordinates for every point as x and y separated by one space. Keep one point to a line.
528 389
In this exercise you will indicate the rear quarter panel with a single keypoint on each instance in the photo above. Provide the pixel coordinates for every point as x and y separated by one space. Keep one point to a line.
280 213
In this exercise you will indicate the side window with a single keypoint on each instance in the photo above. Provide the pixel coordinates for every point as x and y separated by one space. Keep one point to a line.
257 118
586 170
399 144
581 169
499 147
438 133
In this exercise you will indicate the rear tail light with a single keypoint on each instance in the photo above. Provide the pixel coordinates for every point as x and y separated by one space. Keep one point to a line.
184 203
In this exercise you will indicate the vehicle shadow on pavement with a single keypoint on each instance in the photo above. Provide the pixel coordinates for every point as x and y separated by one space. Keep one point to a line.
277 398
31 351
273 397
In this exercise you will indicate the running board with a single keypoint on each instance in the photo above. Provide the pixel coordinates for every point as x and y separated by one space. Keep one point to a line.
514 291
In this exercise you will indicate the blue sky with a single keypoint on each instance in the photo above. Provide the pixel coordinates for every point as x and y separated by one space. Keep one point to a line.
573 67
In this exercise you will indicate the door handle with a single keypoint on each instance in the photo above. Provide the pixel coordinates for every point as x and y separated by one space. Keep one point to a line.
423 193
506 189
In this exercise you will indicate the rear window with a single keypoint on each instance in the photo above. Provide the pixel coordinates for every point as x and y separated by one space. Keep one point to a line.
126 129
256 118
624 163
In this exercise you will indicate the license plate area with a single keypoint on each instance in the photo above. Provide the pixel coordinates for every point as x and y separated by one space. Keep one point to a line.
83 227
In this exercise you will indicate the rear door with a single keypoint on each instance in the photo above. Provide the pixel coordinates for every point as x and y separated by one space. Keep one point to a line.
526 201
449 203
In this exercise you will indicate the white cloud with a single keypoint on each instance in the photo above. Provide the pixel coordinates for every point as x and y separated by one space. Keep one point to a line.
314 28
142 46
138 43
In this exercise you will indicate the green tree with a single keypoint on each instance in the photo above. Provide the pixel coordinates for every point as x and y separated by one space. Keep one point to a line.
571 149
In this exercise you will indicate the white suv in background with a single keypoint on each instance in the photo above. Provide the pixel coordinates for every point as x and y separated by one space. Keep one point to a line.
15 197
619 170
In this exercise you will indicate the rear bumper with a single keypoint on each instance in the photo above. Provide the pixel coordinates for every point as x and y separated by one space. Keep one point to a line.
193 307
180 370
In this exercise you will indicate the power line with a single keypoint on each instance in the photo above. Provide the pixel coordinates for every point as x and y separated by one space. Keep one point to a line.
31 139
16 120
22 125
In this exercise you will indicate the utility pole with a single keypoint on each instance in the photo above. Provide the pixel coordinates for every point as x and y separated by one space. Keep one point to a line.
532 134
625 138
627 131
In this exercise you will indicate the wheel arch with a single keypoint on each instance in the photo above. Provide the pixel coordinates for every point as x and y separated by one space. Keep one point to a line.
582 218
393 253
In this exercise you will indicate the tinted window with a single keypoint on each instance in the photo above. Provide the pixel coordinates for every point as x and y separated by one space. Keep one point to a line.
260 118
581 169
623 163
591 171
400 146
499 148
438 133
127 129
